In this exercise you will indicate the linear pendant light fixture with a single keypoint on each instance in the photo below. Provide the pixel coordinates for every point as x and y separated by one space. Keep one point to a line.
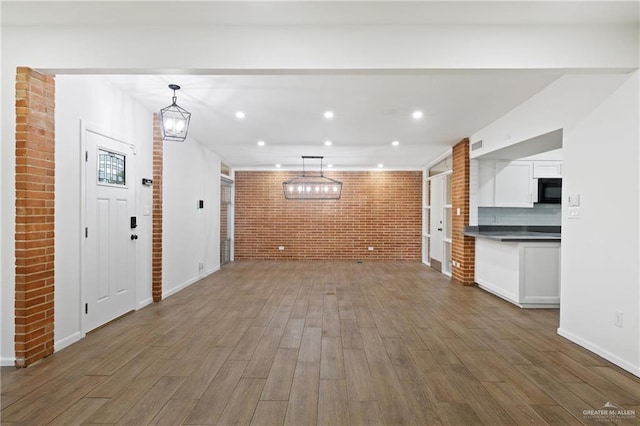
175 119
312 186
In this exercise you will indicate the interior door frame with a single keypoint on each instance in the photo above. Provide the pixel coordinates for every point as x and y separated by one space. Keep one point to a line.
228 180
87 126
437 209
445 255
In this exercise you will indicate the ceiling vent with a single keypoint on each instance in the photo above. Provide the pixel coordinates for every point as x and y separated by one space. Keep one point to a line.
476 145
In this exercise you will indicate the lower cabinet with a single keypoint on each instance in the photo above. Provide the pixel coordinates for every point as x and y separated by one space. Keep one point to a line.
524 273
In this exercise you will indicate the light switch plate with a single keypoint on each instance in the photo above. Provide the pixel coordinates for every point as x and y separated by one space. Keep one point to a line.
573 200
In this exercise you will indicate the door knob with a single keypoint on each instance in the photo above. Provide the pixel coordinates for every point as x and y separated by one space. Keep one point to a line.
134 237
439 229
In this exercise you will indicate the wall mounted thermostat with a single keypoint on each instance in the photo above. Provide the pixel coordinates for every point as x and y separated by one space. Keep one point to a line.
147 182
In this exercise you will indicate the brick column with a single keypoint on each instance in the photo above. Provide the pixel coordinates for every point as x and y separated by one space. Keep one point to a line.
34 232
462 248
156 245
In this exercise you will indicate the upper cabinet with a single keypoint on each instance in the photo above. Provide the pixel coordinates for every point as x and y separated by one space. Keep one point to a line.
547 169
505 183
514 184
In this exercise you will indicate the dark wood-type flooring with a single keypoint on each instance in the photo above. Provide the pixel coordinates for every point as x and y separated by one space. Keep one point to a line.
331 343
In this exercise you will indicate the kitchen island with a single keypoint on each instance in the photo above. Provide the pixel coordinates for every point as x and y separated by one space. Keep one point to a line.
519 264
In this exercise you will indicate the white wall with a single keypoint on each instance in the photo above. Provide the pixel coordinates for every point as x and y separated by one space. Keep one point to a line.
600 251
190 235
101 106
560 105
599 116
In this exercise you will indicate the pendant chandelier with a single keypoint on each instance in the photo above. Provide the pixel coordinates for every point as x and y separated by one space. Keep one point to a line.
312 186
175 119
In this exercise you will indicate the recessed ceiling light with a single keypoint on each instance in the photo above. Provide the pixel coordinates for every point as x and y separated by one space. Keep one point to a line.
328 115
417 114
395 143
240 115
328 143
329 165
278 166
260 143
380 165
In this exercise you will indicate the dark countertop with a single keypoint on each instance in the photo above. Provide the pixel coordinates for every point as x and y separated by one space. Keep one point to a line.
515 233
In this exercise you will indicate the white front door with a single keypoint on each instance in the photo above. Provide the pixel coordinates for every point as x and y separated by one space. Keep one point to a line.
436 226
109 249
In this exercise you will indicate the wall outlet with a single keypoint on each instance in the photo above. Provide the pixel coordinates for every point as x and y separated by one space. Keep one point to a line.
370 248
617 319
280 247
574 213
200 266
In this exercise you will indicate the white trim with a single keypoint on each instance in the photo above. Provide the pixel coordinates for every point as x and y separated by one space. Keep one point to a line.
633 369
439 158
8 362
67 341
144 303
448 172
189 282
497 291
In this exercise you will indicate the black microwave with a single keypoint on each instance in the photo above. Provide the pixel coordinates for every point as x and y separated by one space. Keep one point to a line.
550 190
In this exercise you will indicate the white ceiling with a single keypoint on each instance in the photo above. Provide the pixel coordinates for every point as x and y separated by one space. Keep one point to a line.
372 108
371 111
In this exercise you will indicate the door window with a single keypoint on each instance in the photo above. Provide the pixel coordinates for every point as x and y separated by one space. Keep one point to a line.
111 168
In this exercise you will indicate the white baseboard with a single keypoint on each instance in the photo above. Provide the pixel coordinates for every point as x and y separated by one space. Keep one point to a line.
69 340
500 292
189 282
145 302
7 362
633 369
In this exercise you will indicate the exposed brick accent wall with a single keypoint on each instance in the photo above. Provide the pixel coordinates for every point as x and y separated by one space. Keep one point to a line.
156 232
462 247
35 209
379 209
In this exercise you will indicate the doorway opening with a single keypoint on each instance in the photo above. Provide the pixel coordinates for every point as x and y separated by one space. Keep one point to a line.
437 217
226 220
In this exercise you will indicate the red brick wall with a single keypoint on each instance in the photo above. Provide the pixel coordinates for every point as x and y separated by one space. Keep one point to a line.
34 232
462 247
156 239
379 209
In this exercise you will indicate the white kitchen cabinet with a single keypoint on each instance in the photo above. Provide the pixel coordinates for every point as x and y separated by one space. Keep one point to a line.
524 273
505 183
486 177
514 184
547 169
